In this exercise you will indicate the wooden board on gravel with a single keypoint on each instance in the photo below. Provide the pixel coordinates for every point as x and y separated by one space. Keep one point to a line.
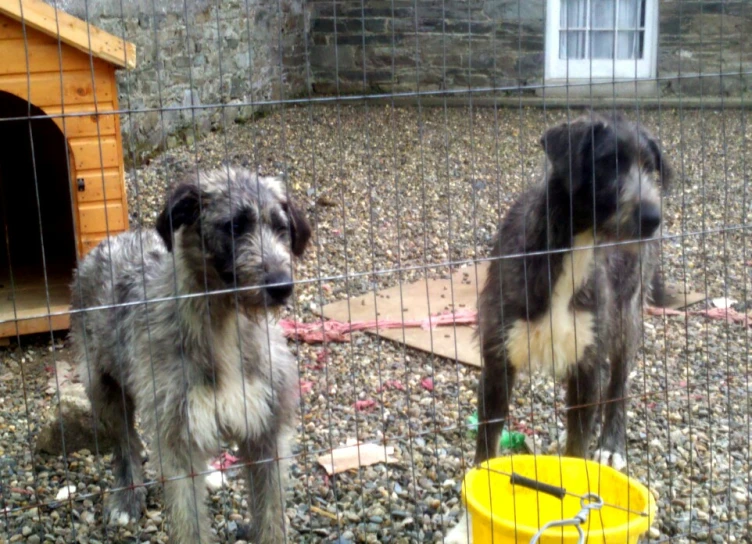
460 291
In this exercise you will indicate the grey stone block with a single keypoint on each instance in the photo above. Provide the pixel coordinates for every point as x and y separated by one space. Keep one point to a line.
359 39
331 56
349 25
471 27
515 10
530 65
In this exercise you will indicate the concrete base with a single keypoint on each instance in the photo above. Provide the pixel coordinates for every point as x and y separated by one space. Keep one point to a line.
599 88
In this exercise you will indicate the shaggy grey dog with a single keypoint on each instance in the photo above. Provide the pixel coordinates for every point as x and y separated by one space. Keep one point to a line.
201 369
569 277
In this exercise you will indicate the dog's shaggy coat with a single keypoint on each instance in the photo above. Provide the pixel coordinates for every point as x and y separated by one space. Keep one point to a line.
569 277
201 370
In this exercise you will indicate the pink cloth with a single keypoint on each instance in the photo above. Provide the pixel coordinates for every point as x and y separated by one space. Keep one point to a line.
336 331
728 314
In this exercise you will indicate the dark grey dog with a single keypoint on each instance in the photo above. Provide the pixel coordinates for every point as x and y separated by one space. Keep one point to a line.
200 370
572 305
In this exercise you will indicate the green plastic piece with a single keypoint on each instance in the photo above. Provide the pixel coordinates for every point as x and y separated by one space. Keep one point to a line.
472 422
509 440
513 440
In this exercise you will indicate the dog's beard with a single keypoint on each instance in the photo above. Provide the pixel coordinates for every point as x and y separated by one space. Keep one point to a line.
257 308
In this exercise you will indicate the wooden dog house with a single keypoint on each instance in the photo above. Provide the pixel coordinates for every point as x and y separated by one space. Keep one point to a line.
62 185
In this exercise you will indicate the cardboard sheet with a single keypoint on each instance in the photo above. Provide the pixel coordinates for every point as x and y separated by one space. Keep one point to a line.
449 341
458 292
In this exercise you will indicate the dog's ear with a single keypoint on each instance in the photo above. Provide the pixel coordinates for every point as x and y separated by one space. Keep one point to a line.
665 172
556 143
570 147
182 209
300 230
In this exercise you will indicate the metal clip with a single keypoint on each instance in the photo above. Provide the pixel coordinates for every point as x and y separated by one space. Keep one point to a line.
81 183
588 502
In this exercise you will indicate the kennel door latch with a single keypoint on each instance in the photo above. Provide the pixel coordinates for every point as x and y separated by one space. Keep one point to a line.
81 184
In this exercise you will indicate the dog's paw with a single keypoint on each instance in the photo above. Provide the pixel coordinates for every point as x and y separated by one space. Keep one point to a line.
119 517
125 507
462 533
610 458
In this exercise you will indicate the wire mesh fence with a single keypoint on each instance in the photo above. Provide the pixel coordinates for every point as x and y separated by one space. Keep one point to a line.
169 171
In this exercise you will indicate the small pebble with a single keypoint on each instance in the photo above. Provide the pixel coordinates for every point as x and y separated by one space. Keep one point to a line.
65 492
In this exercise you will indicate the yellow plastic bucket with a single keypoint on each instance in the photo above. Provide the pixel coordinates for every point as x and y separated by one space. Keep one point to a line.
503 513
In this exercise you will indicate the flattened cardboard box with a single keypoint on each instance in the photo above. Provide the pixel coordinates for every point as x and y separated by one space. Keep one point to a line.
428 297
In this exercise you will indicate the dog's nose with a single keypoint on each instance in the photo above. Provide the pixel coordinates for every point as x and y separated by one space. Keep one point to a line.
278 286
650 219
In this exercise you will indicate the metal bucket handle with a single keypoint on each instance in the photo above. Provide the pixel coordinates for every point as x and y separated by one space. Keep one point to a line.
588 502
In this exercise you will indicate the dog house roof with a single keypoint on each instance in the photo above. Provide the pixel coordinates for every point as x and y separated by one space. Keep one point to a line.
71 31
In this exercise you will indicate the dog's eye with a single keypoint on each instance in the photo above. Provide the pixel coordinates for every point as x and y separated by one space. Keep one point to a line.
240 224
648 164
279 225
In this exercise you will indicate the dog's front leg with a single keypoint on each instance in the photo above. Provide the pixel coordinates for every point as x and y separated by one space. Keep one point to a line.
612 447
185 494
265 479
612 444
494 391
583 387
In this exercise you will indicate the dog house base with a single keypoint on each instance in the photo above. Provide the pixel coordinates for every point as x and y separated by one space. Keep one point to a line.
28 306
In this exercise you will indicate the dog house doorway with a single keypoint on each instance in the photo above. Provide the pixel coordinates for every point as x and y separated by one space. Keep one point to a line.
37 232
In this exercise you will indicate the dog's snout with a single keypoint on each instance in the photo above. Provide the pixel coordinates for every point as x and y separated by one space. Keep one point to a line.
278 286
650 219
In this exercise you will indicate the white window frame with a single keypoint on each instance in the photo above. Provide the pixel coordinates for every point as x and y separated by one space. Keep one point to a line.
600 69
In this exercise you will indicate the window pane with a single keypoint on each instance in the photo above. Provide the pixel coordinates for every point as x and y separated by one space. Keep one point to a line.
572 45
602 13
629 13
629 45
573 14
602 45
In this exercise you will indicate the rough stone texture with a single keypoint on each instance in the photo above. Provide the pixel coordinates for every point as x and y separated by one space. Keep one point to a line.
73 414
68 425
205 53
709 38
455 44
404 47
199 53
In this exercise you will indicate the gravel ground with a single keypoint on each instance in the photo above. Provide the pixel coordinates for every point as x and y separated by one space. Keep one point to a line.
402 189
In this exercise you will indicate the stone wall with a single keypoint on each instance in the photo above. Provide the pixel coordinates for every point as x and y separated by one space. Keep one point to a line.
456 44
207 52
230 52
705 38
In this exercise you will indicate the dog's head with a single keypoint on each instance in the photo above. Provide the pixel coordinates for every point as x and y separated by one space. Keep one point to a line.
238 228
606 167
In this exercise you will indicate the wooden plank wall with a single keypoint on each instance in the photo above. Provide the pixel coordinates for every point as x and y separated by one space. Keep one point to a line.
31 70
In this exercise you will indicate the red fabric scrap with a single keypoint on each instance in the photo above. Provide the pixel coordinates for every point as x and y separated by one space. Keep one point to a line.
336 331
364 404
224 461
655 310
392 384
728 314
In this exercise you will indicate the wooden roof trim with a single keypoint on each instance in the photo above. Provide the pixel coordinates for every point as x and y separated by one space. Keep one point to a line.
72 31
